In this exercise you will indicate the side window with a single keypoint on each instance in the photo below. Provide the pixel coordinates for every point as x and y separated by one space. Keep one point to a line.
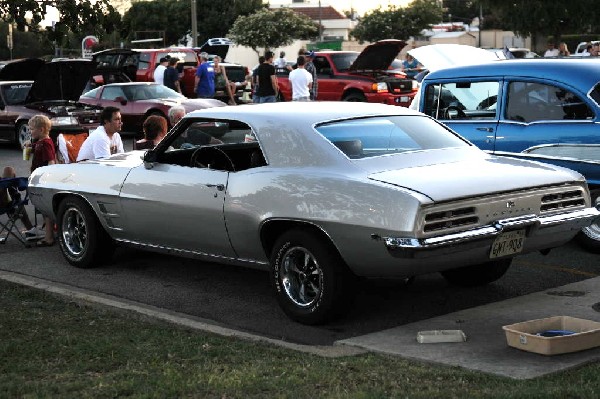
110 93
144 61
217 144
462 100
322 65
530 102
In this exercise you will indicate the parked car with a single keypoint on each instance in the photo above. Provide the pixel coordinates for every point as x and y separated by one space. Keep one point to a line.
137 101
34 86
547 110
353 76
317 194
139 65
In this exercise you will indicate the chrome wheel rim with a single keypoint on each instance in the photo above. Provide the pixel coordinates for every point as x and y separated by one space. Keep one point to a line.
74 232
24 134
301 277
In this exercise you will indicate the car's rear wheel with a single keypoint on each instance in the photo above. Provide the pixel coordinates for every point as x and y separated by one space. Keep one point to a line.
475 275
23 133
589 237
83 241
312 283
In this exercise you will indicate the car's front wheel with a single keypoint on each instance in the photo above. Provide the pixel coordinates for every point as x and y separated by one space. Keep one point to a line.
23 133
311 281
83 241
476 275
589 237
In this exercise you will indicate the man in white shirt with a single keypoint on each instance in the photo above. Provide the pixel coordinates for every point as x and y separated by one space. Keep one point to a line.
105 140
301 81
159 72
551 51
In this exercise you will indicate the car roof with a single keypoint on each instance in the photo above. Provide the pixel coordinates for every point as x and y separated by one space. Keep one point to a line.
307 113
293 122
576 72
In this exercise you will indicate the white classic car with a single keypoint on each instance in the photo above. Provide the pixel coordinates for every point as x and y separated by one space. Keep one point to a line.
319 194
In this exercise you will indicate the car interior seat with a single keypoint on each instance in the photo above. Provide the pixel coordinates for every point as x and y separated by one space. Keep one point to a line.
69 145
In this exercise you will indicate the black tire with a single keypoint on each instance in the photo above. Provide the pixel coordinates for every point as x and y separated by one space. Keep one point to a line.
311 281
355 97
589 237
82 240
22 133
476 275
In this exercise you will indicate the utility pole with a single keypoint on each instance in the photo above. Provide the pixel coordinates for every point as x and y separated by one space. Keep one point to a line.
9 39
320 23
194 25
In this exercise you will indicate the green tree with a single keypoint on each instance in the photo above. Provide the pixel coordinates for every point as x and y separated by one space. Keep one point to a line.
543 18
271 29
82 17
214 17
398 22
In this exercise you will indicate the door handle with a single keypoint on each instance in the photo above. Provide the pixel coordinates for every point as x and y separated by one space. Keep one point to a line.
486 129
220 187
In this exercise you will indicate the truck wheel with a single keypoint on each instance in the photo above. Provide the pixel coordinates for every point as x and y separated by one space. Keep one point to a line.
589 237
355 97
476 275
311 281
83 241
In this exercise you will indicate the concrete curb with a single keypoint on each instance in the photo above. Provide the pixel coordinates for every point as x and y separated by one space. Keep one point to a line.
181 319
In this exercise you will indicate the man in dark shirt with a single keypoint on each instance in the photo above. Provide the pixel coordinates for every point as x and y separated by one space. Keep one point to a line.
171 79
267 80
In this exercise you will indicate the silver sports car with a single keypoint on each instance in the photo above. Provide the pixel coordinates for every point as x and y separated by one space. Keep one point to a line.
319 194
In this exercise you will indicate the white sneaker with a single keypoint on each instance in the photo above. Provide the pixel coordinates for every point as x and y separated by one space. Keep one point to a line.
34 233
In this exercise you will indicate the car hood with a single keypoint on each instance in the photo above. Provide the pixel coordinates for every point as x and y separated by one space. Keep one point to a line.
378 56
25 69
473 177
60 80
217 46
440 56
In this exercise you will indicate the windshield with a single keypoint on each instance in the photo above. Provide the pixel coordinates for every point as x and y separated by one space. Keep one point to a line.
342 61
14 94
150 92
369 137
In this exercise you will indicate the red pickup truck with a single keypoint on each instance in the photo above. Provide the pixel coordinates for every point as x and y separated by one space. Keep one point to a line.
353 76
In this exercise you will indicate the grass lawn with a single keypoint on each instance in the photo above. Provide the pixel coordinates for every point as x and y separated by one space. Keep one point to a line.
53 347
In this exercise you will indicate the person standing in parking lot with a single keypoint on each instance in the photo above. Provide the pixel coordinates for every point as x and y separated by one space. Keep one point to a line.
171 76
301 81
310 68
204 82
159 72
267 80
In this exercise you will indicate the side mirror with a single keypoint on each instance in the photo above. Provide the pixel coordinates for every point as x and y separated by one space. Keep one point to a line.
150 157
121 100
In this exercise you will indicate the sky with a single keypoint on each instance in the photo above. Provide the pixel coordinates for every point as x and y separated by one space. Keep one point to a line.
360 6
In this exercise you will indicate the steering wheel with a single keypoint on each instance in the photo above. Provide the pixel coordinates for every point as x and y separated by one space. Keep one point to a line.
211 157
460 114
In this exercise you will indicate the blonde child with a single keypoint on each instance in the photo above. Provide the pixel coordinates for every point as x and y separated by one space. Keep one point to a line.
44 154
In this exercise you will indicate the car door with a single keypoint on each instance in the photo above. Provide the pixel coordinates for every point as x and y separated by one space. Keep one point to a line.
538 113
177 207
329 88
469 107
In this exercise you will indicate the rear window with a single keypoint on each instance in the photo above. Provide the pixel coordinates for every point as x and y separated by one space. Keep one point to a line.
15 93
368 137
188 58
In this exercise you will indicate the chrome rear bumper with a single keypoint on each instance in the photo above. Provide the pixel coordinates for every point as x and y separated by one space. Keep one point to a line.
536 225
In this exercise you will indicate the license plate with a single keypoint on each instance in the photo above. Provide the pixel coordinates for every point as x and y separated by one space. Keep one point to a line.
508 243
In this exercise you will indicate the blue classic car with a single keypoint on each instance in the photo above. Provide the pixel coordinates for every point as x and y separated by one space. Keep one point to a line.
544 110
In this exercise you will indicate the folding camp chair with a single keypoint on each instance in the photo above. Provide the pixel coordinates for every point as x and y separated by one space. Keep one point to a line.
13 198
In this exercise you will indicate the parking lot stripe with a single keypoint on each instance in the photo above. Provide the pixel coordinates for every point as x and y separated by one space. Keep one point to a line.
558 268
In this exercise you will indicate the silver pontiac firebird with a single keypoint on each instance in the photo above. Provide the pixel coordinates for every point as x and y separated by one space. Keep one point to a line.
320 194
